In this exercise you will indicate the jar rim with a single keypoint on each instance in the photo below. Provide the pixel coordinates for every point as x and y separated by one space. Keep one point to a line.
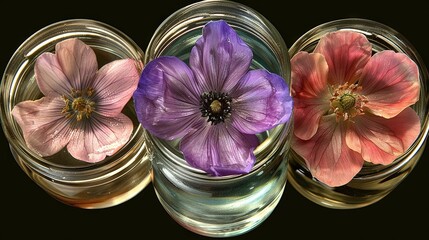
201 12
382 32
216 10
264 150
27 52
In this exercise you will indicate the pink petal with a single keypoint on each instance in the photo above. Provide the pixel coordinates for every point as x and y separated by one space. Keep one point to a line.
114 85
381 140
327 155
310 92
390 81
46 130
103 136
219 150
50 77
220 57
78 62
261 101
346 53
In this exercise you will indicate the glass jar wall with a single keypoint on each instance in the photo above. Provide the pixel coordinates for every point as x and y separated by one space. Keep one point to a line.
373 182
86 185
229 205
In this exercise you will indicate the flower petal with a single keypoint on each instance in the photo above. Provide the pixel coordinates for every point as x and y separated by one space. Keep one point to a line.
46 131
102 136
346 53
114 85
327 155
261 101
166 99
219 150
381 140
390 82
309 74
220 57
78 62
50 77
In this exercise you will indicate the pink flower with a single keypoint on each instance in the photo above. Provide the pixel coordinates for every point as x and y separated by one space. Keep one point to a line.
352 107
81 107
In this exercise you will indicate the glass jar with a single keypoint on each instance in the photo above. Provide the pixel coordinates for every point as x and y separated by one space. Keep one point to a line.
85 185
229 205
373 182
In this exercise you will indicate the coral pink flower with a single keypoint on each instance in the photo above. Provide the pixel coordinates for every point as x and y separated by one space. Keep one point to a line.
352 107
81 107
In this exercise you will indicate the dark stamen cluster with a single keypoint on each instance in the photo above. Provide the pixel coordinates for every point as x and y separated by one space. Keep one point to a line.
215 106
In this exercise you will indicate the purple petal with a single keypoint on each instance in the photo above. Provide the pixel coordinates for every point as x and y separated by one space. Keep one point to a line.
261 101
78 62
167 98
219 58
114 85
219 150
50 77
46 130
101 137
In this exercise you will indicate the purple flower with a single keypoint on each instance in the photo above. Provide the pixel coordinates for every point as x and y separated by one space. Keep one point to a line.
216 106
81 107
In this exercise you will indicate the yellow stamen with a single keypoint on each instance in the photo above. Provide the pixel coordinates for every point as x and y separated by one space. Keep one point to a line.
347 102
216 106
79 105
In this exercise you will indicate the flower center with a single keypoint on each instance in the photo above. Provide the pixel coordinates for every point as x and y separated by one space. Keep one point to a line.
346 102
79 105
215 106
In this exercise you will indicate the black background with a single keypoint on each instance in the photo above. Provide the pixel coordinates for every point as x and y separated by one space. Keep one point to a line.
27 211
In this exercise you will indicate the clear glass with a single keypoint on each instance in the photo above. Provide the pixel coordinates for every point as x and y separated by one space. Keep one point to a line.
230 205
373 182
73 182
